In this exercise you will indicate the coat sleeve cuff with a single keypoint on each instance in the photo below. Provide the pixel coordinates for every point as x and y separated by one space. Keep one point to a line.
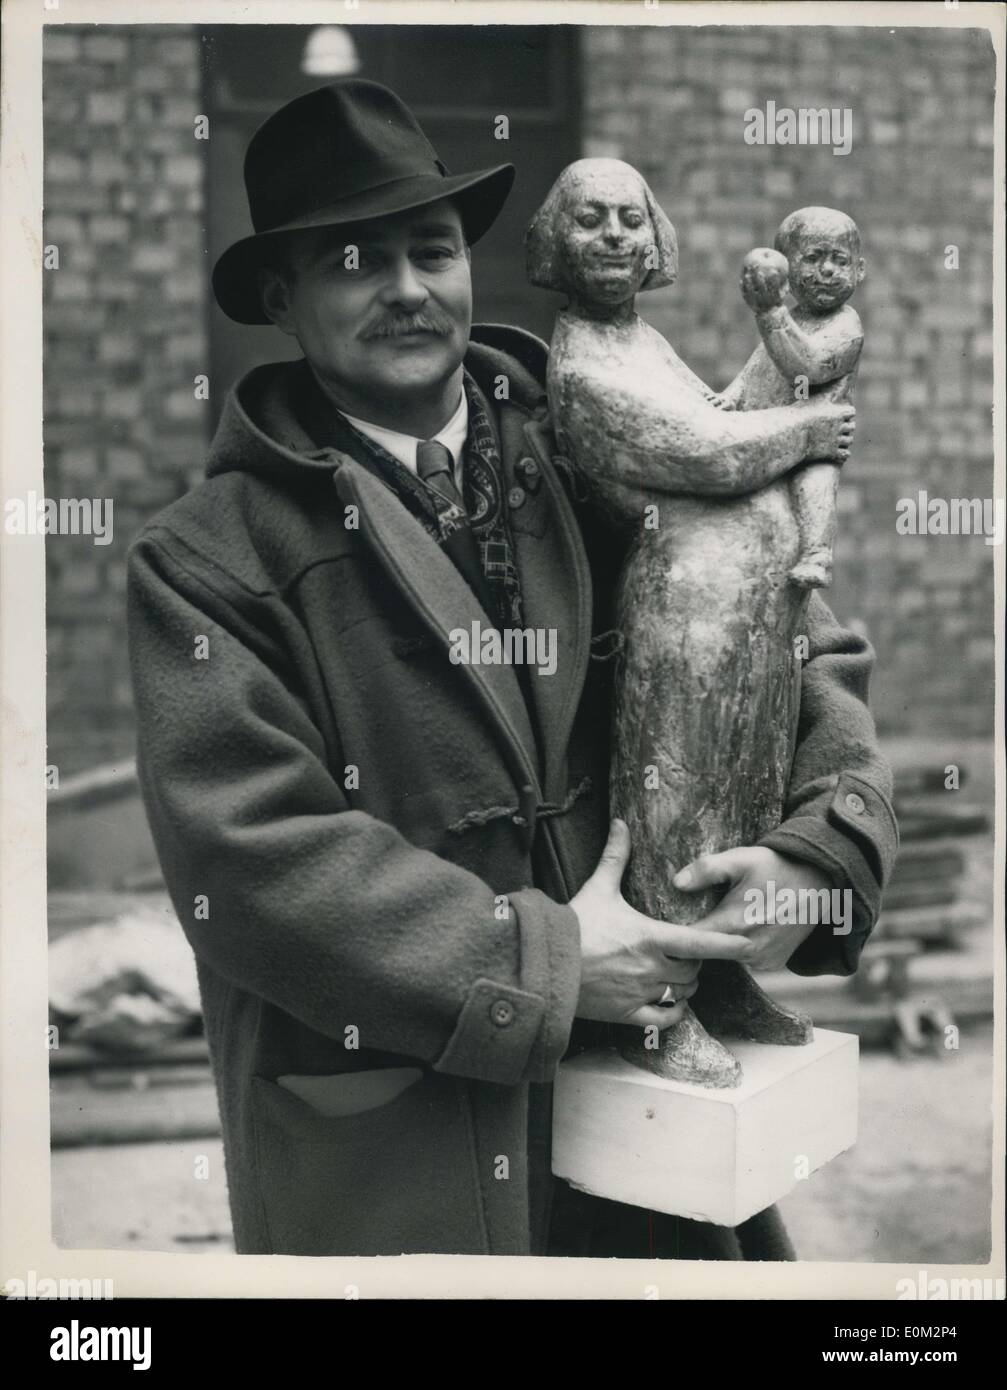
509 1033
850 834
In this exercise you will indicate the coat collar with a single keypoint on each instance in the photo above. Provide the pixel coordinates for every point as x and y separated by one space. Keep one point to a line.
556 589
261 433
555 585
435 590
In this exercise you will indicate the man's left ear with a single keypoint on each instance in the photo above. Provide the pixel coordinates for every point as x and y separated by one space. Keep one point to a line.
275 299
861 269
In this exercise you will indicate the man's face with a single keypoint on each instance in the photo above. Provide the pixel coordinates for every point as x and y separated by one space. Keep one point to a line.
378 307
607 233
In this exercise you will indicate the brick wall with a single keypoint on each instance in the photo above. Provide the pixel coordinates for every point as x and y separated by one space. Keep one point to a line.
919 178
124 337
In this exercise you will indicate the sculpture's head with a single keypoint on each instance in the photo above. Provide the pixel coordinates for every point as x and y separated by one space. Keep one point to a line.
822 247
600 236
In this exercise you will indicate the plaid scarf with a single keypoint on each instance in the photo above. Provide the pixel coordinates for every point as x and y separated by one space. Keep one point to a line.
483 494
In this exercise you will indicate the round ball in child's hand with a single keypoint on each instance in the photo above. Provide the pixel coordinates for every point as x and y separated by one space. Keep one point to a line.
764 274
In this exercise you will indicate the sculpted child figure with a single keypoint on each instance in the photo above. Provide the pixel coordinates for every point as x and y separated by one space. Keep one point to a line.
817 345
707 687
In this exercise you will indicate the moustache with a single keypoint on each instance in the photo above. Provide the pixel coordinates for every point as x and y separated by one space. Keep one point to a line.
410 323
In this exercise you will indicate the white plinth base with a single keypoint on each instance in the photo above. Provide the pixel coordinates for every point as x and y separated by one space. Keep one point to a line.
718 1156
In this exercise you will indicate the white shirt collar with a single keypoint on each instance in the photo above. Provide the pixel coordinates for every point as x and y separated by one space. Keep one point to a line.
403 446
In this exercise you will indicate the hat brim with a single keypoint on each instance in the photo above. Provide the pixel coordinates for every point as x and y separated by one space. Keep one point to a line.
479 196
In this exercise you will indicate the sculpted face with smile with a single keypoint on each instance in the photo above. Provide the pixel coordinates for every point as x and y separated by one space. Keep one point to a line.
606 232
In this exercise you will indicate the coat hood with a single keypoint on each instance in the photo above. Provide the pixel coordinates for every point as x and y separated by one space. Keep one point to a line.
259 431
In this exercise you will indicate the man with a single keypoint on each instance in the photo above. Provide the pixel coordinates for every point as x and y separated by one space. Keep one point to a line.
386 860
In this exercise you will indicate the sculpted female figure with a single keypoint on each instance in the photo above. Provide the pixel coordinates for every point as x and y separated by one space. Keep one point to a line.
708 684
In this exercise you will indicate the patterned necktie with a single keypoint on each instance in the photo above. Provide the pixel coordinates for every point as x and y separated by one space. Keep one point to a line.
436 467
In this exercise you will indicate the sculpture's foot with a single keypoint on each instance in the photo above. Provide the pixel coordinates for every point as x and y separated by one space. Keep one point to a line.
813 570
685 1052
729 1003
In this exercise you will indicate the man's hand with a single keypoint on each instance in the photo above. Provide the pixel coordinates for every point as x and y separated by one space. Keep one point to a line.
749 871
627 958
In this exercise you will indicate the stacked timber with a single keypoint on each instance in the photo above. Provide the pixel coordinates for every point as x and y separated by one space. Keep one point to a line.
925 900
929 961
928 809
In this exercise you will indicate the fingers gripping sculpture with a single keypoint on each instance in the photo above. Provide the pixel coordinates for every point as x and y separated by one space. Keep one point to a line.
707 689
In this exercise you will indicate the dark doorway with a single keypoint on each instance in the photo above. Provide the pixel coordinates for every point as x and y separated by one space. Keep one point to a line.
457 80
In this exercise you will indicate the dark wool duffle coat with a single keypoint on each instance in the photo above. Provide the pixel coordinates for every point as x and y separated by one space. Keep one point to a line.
370 847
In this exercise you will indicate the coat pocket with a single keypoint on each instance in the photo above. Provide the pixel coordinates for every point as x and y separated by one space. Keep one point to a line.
352 1092
398 1179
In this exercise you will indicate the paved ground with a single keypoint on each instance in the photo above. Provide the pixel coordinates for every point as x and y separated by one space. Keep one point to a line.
915 1188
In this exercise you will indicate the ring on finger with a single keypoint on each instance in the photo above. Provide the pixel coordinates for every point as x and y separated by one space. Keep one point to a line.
667 999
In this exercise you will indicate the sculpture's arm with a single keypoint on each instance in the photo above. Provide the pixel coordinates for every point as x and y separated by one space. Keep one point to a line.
733 396
681 444
838 813
823 356
688 376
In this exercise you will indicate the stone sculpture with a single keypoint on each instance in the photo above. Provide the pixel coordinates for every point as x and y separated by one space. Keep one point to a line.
708 684
815 347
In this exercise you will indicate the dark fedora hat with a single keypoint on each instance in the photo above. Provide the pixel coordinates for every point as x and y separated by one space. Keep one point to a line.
343 153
